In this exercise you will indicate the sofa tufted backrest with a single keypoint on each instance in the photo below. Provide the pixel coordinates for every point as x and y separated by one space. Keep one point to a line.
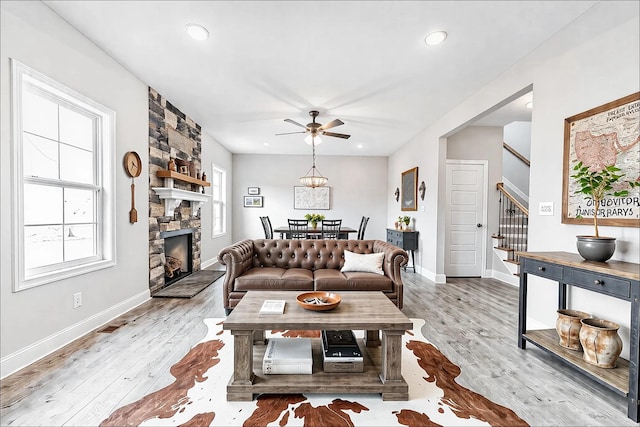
308 254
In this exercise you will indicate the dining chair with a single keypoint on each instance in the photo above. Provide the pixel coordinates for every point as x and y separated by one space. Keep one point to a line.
298 229
331 228
266 224
363 226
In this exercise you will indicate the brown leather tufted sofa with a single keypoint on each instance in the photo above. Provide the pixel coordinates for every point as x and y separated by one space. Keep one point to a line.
307 265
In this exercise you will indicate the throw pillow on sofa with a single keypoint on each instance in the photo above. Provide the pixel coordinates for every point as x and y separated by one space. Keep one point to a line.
369 263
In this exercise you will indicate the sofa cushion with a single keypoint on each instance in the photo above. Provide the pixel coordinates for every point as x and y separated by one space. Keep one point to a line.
335 280
370 263
267 278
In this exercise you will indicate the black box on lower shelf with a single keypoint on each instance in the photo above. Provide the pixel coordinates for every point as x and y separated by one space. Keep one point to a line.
341 352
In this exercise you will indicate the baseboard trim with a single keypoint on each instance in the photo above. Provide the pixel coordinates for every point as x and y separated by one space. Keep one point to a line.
509 279
36 351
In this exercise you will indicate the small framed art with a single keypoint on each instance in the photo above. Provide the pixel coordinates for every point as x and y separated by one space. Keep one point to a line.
253 191
253 201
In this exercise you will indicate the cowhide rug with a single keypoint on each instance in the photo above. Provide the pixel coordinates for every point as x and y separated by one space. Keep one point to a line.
198 395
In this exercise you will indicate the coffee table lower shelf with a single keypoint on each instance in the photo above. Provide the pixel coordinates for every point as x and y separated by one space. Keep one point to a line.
319 381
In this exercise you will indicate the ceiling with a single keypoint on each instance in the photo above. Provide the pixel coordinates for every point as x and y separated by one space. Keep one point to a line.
364 62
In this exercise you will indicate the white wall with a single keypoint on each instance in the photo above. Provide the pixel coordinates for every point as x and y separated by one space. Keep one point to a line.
593 61
214 152
358 187
518 136
36 321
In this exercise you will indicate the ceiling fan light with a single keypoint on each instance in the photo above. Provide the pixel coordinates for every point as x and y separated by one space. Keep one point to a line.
197 32
311 139
435 38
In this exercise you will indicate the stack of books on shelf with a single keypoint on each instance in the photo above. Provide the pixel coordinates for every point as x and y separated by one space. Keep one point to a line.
288 356
341 352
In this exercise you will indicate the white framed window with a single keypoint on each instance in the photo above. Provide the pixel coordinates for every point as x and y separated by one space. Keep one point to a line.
63 187
219 200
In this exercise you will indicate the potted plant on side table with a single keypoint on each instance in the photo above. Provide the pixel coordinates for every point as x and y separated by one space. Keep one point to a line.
598 183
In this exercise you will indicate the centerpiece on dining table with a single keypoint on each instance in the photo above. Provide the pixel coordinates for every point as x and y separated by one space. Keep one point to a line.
314 219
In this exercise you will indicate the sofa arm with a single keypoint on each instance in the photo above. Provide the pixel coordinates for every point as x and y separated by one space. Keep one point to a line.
394 259
238 258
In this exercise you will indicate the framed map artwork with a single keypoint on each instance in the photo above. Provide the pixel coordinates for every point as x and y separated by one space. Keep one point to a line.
311 198
604 136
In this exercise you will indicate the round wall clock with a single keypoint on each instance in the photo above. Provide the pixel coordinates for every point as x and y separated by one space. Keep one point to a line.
132 164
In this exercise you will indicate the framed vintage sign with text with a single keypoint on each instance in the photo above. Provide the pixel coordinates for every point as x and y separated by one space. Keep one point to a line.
608 135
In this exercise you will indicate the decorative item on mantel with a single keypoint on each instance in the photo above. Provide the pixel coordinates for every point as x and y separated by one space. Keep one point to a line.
172 165
600 341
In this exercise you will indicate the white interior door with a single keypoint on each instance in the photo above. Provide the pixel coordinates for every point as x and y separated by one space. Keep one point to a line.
465 252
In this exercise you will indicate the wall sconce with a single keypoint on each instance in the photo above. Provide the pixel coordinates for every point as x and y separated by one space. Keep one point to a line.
397 194
422 189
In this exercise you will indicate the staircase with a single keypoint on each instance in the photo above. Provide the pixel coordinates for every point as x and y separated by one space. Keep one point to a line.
513 229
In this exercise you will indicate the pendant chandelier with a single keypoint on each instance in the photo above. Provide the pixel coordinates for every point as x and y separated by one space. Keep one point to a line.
314 178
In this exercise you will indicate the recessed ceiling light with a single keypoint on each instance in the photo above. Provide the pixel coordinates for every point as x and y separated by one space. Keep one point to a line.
197 32
360 146
266 144
435 38
529 104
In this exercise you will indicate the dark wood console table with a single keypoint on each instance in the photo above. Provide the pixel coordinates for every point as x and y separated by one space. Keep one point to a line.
405 239
614 278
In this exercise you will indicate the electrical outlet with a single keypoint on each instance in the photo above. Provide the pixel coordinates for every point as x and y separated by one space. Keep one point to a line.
77 300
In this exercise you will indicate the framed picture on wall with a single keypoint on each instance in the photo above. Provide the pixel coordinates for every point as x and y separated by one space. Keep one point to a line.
311 198
253 191
253 201
605 136
409 198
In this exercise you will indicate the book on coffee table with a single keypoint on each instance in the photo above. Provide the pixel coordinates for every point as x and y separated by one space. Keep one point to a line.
272 306
288 356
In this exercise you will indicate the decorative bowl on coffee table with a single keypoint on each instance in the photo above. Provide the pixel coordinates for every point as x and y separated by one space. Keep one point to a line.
318 301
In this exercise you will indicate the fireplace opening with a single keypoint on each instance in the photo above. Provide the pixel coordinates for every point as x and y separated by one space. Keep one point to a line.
178 258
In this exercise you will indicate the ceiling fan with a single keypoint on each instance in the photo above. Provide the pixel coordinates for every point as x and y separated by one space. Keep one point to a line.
316 129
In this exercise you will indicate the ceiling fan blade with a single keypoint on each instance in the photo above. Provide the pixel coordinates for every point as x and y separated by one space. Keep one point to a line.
295 123
332 124
337 135
289 133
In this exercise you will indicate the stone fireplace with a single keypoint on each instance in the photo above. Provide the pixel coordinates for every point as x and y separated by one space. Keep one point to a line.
178 258
171 135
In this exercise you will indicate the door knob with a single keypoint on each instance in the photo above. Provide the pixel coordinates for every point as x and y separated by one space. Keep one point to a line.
478 225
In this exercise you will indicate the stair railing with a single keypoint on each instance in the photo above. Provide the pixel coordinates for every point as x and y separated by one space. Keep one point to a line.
513 224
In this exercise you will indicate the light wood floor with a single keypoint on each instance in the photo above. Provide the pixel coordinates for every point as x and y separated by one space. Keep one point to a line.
471 321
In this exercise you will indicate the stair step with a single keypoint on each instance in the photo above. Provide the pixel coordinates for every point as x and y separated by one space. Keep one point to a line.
495 236
512 261
503 248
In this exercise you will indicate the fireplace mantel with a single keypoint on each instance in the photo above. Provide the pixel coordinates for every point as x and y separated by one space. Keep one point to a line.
174 196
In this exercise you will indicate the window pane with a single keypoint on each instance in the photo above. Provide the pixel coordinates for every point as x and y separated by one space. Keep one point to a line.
76 129
39 115
79 241
78 206
39 156
42 204
42 246
76 165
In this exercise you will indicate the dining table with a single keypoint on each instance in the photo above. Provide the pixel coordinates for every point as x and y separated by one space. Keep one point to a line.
314 233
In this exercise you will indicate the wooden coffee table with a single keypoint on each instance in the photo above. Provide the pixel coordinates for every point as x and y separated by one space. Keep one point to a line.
367 311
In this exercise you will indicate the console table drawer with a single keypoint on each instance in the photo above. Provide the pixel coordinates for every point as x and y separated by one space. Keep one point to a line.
597 282
543 269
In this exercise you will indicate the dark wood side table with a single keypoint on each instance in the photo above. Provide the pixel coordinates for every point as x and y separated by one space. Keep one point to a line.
407 240
617 279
